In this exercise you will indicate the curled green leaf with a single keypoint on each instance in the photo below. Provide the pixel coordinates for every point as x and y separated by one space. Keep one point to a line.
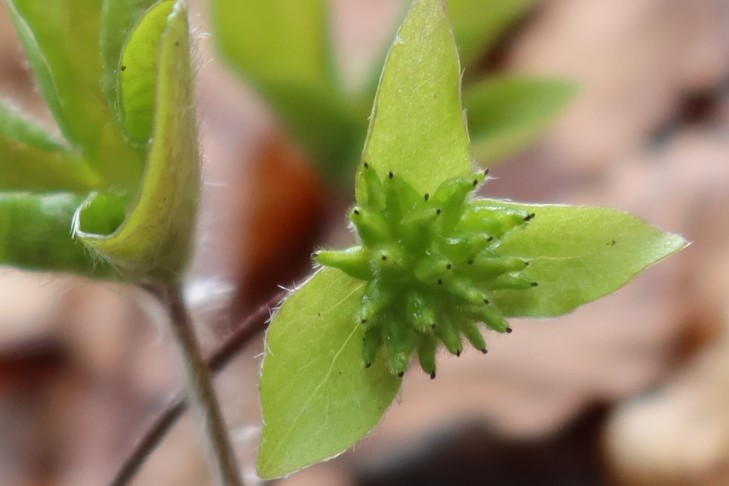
45 244
138 72
155 239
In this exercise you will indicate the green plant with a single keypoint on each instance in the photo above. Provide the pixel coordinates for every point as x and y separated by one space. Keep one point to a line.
319 396
116 199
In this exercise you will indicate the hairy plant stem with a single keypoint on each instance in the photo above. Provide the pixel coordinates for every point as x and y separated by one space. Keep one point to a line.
200 391
174 408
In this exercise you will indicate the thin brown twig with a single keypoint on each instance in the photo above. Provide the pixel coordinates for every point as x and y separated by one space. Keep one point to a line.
173 410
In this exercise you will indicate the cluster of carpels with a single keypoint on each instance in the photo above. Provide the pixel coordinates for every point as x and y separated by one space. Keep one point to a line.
430 265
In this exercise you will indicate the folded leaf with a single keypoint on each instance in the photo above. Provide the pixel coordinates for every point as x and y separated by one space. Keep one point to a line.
68 71
507 113
138 73
317 397
30 158
155 241
417 128
35 235
578 254
118 18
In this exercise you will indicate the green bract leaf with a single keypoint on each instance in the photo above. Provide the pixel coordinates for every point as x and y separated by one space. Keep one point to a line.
578 254
68 71
31 159
317 397
45 244
507 113
282 48
416 128
154 242
479 23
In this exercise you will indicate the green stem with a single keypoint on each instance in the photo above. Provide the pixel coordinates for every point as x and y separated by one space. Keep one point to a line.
201 393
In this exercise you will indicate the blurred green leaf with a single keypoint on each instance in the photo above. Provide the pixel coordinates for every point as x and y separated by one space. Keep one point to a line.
578 254
35 234
478 24
317 397
68 72
506 113
417 128
276 40
155 240
283 49
118 18
30 158
137 72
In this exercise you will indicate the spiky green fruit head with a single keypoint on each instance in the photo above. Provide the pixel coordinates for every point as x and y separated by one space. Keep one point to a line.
430 265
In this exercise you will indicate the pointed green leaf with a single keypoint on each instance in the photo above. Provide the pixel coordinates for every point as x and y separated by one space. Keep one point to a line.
317 397
35 234
506 113
155 240
30 158
578 254
282 48
68 71
479 23
416 126
118 18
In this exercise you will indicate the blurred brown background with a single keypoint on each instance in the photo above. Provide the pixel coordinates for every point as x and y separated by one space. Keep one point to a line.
632 389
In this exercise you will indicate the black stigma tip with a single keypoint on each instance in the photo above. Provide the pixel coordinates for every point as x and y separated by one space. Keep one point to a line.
399 375
384 258
491 238
427 196
486 171
432 375
367 365
484 350
437 211
486 301
356 211
366 165
123 68
440 281
475 182
432 326
470 262
508 330
458 353
529 217
534 284
449 266
390 174
363 321
526 263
